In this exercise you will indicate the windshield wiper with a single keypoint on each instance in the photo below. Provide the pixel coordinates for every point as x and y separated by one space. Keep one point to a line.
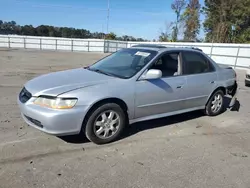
106 73
102 72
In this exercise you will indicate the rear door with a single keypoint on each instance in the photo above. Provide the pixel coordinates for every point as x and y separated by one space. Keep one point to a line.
201 78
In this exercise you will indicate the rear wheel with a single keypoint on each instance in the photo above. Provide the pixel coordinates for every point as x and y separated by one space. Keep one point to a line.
105 124
215 104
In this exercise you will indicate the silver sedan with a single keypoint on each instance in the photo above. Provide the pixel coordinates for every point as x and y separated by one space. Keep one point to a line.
134 84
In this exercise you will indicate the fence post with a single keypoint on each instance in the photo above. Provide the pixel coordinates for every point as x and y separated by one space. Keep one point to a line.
88 46
9 42
56 44
211 51
104 46
236 60
72 43
108 46
24 43
40 44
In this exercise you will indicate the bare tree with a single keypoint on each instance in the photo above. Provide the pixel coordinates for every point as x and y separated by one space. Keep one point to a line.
191 19
177 6
165 33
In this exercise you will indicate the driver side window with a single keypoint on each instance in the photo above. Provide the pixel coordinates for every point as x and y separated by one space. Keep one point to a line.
169 64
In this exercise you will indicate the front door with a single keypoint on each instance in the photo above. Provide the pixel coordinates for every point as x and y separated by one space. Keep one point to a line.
163 95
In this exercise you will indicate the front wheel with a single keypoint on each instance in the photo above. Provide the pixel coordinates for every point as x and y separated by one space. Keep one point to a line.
215 104
105 124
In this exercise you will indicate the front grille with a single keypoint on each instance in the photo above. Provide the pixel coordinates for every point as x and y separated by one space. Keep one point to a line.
24 95
34 121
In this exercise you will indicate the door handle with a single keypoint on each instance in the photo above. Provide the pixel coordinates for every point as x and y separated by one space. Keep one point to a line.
179 87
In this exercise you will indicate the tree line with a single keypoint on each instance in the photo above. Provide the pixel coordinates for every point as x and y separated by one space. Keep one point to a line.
226 21
50 31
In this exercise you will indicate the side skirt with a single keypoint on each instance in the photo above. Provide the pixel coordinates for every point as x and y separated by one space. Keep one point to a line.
165 114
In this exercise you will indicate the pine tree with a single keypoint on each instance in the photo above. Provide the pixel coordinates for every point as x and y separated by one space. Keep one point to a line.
227 21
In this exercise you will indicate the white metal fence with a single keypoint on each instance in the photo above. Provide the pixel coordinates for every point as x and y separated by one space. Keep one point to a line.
235 55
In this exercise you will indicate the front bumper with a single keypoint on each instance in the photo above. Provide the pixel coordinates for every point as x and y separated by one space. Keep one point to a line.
55 122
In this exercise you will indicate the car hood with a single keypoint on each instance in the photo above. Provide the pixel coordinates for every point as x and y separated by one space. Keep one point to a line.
56 83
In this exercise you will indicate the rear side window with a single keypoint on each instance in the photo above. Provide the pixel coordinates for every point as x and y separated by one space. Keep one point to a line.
195 63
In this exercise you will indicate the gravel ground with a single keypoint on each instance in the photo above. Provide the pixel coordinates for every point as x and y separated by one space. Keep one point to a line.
188 150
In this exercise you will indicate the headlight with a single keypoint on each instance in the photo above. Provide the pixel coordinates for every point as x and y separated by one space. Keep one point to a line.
56 103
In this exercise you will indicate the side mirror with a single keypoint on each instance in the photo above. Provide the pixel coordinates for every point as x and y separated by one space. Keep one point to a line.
152 74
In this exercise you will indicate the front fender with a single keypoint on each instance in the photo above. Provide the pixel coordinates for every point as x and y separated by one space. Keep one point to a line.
91 95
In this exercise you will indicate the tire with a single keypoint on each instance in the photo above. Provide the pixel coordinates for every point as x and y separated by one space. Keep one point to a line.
96 129
219 105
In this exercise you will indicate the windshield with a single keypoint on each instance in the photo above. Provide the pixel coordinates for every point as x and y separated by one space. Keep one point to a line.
124 63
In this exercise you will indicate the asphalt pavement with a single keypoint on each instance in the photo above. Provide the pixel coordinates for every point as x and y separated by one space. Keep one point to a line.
188 150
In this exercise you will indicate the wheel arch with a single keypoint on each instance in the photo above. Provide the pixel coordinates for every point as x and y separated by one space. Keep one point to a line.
97 104
222 88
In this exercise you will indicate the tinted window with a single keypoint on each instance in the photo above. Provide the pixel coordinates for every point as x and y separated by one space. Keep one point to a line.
195 63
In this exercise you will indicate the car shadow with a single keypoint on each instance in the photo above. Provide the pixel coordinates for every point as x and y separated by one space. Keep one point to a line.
161 122
152 124
75 139
166 121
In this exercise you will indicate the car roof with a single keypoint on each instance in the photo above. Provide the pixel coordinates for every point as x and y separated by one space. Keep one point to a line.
161 48
153 47
150 46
